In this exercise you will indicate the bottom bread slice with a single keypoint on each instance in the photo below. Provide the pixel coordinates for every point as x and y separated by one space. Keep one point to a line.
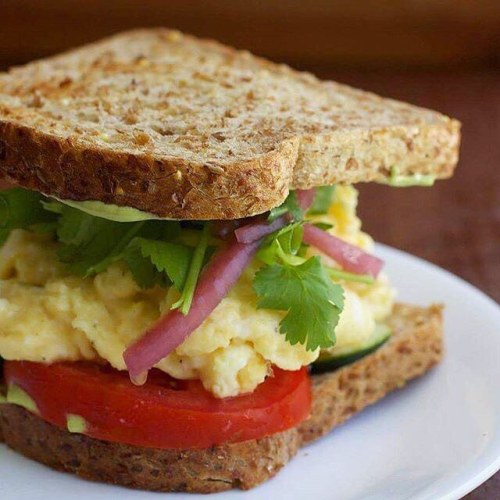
237 465
415 346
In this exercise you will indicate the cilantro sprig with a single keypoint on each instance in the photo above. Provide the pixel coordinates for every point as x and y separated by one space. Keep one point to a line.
88 245
283 244
321 203
304 288
301 287
171 261
312 301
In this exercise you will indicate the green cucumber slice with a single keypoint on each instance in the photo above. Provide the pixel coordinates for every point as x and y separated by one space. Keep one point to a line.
331 361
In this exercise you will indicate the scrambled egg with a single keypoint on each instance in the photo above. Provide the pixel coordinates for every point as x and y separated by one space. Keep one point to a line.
47 315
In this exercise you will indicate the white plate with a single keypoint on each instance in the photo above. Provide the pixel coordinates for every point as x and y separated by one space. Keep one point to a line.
437 439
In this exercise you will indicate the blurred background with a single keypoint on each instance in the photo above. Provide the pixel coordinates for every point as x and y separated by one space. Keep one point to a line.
343 33
442 54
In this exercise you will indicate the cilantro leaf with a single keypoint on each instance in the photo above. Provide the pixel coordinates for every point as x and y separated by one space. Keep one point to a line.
312 301
161 230
169 258
114 252
290 205
90 244
282 244
21 209
143 270
290 237
322 200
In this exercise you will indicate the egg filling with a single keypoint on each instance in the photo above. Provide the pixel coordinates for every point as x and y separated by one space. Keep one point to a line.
49 315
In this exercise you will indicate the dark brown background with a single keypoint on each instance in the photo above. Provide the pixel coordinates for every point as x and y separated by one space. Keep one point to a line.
339 32
443 54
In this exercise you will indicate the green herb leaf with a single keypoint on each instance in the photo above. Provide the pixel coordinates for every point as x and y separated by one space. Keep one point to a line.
170 258
90 244
21 209
312 301
290 237
143 270
290 205
117 251
322 200
282 244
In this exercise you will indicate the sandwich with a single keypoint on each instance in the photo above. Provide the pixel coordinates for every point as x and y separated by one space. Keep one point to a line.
186 294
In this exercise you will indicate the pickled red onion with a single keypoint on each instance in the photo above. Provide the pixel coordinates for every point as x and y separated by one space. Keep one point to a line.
257 230
305 197
350 257
220 274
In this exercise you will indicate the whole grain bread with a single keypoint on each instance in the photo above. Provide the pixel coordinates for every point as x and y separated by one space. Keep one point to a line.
415 346
237 465
191 129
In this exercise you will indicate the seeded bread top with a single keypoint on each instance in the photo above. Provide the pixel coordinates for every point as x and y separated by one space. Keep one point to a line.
191 129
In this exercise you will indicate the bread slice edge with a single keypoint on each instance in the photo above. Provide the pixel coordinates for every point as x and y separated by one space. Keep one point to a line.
417 141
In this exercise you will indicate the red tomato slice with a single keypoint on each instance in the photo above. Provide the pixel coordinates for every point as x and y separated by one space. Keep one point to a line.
163 413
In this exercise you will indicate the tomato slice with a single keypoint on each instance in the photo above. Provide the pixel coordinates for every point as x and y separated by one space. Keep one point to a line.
163 413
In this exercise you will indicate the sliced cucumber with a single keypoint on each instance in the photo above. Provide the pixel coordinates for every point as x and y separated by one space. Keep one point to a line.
329 361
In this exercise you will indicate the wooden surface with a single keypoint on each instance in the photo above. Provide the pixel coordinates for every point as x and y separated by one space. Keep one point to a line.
456 223
343 32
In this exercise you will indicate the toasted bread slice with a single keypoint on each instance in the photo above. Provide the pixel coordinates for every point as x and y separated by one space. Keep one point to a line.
238 465
191 129
416 346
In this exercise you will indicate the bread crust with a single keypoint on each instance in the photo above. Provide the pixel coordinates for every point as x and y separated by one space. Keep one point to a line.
265 130
73 171
415 346
236 465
